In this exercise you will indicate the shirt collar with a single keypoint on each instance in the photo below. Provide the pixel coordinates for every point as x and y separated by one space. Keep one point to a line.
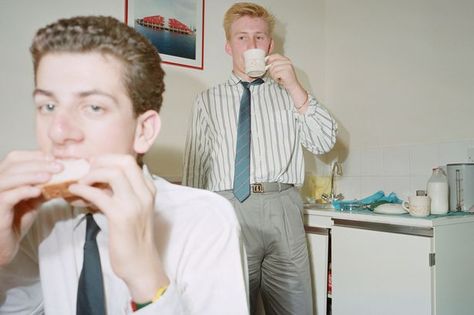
235 79
80 216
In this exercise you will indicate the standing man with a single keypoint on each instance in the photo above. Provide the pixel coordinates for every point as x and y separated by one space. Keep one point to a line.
136 243
283 118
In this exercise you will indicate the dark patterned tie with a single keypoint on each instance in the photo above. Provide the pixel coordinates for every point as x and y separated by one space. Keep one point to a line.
242 155
90 293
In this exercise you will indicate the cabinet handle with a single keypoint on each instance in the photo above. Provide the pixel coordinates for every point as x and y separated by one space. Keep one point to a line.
385 227
432 259
316 230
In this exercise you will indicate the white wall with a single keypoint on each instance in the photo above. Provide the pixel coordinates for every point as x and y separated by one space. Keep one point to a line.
394 73
19 19
401 72
301 30
399 78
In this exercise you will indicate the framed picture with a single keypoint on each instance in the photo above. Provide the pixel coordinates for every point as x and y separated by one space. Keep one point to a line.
175 27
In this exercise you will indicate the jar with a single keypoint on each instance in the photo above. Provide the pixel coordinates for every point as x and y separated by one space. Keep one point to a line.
437 189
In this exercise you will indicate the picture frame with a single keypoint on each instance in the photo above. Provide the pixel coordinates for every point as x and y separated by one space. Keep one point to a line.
175 28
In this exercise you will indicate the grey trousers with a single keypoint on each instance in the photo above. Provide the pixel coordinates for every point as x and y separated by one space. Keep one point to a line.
277 252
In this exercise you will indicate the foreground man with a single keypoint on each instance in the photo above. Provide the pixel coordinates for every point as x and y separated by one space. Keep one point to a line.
163 249
283 118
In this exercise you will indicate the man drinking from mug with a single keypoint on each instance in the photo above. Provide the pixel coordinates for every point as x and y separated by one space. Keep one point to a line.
245 142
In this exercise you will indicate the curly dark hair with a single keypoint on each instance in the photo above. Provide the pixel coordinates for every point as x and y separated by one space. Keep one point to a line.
143 77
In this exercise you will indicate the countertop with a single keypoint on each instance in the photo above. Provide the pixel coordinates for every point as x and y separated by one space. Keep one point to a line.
406 219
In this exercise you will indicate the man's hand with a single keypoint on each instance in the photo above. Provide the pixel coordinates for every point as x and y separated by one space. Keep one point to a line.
282 71
129 208
21 172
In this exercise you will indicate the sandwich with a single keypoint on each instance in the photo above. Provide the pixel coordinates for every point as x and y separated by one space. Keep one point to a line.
58 185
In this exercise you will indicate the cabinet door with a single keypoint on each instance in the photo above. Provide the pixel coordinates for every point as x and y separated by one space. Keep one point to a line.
454 246
318 241
375 272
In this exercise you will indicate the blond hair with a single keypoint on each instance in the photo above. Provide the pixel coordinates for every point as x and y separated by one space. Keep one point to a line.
241 9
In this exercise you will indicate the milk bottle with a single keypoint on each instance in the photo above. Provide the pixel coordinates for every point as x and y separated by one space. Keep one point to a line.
437 189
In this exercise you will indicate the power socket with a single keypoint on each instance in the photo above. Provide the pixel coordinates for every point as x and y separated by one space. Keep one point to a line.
470 154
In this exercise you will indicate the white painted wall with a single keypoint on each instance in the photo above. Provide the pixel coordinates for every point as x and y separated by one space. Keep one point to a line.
19 19
399 78
392 72
401 72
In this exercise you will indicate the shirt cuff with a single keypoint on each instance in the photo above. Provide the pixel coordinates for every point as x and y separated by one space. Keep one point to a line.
312 105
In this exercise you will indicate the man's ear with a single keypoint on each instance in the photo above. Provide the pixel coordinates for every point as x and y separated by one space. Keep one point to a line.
228 49
147 129
270 49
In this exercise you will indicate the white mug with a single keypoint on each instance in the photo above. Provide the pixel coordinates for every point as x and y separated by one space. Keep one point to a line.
255 59
418 206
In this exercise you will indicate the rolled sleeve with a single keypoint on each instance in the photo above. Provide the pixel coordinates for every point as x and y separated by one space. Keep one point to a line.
317 127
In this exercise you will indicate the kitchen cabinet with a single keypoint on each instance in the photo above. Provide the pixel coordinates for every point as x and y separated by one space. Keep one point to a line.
376 272
392 264
318 246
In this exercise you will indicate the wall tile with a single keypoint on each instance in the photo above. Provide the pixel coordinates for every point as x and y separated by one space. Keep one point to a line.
400 185
423 158
453 152
418 183
371 162
396 161
401 169
370 184
352 165
348 186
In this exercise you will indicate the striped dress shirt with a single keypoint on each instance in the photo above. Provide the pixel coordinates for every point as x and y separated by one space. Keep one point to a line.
278 133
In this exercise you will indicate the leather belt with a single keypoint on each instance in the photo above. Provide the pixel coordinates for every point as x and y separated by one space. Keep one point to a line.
269 187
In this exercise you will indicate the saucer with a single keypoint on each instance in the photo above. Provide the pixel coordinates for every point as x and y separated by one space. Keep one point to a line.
390 208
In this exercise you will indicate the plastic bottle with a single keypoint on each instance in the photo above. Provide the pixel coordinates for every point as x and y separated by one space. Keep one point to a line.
437 190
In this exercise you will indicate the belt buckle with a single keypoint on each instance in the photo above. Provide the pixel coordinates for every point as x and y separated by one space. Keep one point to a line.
257 188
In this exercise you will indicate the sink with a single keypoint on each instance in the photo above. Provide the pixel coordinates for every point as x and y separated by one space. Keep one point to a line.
319 206
345 207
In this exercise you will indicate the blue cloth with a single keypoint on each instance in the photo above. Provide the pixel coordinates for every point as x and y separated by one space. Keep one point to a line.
379 196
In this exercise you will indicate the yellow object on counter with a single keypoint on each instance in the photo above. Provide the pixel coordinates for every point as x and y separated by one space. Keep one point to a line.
314 186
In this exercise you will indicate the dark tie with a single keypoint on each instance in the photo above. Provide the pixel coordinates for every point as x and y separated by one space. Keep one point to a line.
90 294
242 155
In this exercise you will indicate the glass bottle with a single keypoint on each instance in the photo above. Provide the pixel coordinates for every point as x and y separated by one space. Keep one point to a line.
437 189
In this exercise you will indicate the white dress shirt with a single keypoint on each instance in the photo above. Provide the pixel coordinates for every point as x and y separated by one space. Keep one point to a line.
278 133
198 238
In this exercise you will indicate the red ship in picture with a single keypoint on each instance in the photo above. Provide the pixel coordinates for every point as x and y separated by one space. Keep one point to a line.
174 27
157 22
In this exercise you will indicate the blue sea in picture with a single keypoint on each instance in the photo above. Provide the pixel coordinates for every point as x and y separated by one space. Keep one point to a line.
170 43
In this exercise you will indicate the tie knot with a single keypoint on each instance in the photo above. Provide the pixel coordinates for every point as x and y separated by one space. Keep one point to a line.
92 228
254 82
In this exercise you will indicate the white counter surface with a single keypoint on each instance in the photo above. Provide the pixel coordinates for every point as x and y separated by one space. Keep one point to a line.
396 219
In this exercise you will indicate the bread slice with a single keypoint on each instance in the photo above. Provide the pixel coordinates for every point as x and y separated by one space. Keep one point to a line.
58 186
